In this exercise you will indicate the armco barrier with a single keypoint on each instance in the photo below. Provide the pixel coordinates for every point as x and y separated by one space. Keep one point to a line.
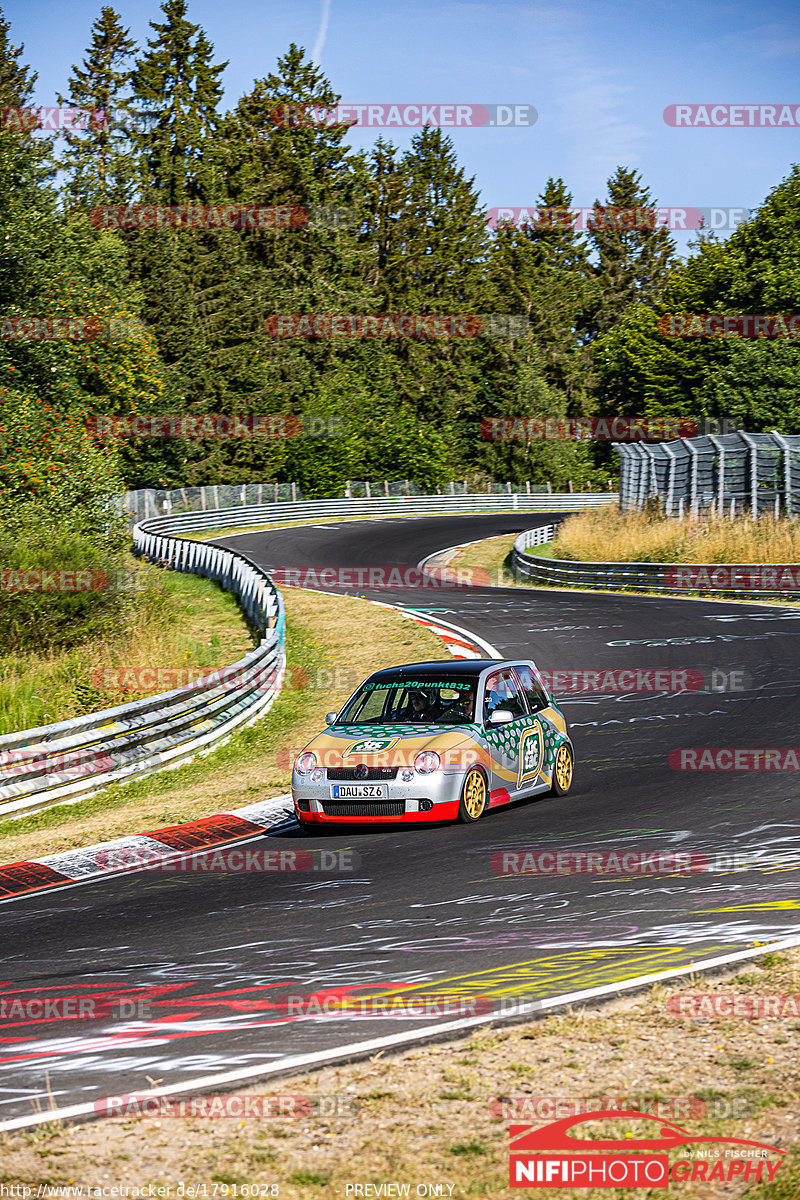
669 579
399 506
71 759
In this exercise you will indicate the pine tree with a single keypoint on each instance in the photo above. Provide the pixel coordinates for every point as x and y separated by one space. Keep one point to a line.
16 80
434 252
635 256
542 271
98 155
178 82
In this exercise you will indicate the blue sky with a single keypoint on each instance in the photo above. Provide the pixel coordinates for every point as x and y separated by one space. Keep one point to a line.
599 73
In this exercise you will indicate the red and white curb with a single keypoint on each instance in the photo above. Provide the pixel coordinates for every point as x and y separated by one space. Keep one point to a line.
226 828
461 643
92 862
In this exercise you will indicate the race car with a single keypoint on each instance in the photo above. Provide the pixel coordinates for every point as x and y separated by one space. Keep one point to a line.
435 741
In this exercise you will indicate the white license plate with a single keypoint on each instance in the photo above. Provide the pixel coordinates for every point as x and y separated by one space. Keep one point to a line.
359 791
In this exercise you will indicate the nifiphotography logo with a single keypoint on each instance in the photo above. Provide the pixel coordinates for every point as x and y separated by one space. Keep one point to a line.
563 1154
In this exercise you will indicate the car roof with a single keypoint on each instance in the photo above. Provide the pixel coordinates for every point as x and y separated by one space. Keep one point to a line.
459 667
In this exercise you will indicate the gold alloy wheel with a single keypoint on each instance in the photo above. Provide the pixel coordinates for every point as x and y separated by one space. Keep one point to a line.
563 769
473 796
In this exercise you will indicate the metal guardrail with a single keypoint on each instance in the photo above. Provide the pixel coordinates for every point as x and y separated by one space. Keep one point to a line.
69 760
148 503
398 506
722 580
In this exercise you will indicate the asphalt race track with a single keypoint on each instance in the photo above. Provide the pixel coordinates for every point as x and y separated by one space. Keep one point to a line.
209 958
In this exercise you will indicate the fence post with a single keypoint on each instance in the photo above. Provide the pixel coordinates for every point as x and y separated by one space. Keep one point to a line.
753 458
294 492
528 486
787 471
386 487
369 493
693 495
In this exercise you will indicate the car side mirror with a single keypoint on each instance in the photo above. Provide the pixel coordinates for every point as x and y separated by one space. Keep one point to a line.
500 716
330 718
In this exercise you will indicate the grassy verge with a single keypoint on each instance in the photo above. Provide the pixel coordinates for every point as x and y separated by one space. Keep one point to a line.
423 1116
323 632
607 535
178 623
493 555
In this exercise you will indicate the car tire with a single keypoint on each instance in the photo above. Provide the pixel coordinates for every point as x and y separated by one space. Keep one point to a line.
474 798
563 769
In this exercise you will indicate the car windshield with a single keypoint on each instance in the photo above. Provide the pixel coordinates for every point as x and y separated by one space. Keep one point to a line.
421 700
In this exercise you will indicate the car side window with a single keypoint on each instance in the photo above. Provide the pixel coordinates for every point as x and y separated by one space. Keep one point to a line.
502 691
532 689
370 710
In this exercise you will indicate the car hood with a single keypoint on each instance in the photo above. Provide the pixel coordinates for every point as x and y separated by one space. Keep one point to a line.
387 745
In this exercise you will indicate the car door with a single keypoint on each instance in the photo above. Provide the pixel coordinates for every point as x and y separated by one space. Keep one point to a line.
538 748
502 690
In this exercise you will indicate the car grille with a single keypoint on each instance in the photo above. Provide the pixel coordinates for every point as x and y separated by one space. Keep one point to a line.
363 808
348 774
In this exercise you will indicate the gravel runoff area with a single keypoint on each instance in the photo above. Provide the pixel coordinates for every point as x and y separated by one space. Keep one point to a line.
437 1116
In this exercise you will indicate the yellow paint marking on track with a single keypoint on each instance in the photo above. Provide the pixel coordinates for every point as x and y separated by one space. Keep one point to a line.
765 904
572 969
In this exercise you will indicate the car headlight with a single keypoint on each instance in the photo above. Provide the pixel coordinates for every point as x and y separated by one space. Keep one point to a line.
305 762
426 761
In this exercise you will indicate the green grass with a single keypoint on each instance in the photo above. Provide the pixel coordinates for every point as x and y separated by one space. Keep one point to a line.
275 729
176 621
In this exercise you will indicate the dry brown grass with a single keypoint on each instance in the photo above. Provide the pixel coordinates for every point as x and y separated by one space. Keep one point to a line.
607 535
423 1115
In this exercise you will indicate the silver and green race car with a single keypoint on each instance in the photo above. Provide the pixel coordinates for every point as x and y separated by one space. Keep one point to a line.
435 741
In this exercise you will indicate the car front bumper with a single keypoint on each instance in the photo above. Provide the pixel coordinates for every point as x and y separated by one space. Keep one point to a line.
433 797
